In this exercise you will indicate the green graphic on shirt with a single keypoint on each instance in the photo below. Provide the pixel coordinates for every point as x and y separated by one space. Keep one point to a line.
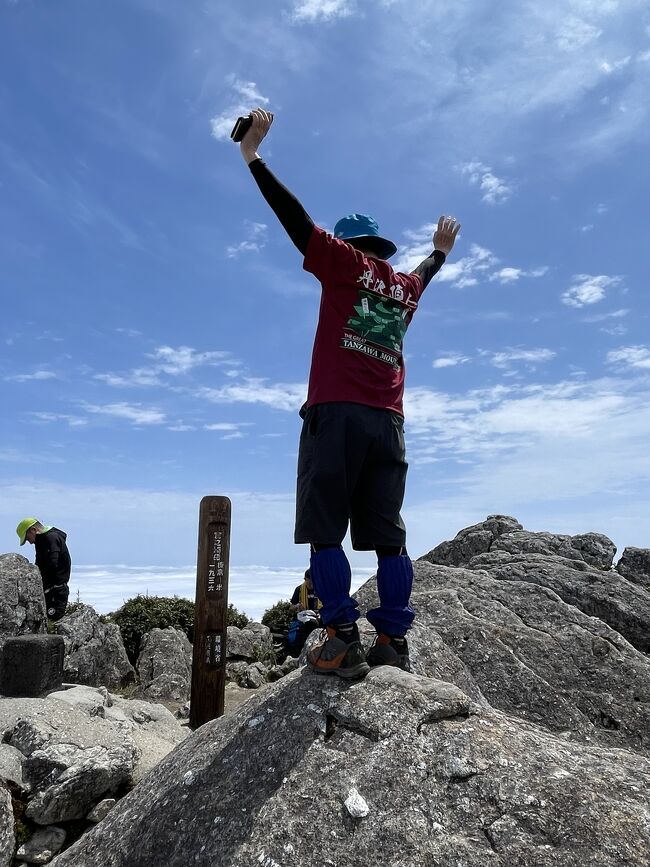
379 320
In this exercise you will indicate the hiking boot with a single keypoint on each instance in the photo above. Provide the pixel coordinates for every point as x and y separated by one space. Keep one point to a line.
339 653
389 651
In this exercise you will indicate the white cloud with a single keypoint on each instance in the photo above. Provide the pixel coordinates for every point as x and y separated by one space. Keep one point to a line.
169 360
511 275
254 241
450 360
135 413
245 97
479 264
614 66
502 420
602 317
230 430
182 359
72 420
495 190
321 10
575 33
632 356
530 356
282 396
588 289
37 375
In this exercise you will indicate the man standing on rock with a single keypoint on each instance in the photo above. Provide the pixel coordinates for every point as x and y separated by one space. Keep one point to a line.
351 462
53 561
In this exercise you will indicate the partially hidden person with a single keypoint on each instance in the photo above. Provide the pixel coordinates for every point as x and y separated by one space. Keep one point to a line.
53 561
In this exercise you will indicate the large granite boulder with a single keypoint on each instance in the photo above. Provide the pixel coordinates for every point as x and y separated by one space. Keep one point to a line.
398 770
503 533
71 761
635 566
165 665
473 540
67 752
254 643
42 845
22 601
95 653
621 604
7 833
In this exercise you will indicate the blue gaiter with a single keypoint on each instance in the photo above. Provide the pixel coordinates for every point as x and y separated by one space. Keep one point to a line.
394 583
330 572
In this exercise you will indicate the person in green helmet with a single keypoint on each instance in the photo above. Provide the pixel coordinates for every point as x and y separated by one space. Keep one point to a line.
53 561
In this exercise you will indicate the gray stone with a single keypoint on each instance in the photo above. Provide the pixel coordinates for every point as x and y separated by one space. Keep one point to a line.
444 782
525 651
593 548
7 833
11 765
635 566
236 671
253 642
604 594
31 665
153 728
95 654
100 811
165 665
503 533
471 541
22 602
89 699
42 846
255 675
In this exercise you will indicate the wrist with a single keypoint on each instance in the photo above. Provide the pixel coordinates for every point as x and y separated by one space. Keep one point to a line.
249 155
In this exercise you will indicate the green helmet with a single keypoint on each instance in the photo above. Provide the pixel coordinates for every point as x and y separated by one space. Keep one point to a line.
24 526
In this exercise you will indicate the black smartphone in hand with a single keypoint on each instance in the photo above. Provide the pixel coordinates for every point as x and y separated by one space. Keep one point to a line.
241 127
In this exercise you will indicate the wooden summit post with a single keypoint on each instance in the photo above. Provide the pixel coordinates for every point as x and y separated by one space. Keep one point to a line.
211 611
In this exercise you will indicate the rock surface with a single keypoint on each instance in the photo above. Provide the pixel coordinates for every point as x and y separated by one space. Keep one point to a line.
42 845
7 835
95 654
254 642
165 666
68 751
445 781
635 566
522 738
22 602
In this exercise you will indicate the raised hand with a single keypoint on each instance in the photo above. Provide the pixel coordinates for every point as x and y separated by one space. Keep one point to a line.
445 235
262 121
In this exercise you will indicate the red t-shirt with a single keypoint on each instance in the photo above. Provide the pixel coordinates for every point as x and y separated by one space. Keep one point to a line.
365 310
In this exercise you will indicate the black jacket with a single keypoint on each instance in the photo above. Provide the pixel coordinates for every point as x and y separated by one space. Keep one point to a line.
53 557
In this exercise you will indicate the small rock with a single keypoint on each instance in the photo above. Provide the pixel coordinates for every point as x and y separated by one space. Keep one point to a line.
43 845
356 805
101 810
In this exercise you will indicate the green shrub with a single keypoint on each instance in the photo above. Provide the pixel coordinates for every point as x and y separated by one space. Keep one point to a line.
142 613
279 616
237 618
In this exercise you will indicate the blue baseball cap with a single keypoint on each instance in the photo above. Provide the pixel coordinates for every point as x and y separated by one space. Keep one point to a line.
357 226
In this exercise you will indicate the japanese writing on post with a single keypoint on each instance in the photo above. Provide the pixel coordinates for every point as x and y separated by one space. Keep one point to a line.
216 565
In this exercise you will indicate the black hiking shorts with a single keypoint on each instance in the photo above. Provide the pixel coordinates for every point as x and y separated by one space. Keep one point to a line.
351 470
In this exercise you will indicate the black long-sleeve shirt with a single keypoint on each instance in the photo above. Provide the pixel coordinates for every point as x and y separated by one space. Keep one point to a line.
52 557
299 225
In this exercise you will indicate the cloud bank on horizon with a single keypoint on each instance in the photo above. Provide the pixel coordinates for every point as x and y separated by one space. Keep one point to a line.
157 324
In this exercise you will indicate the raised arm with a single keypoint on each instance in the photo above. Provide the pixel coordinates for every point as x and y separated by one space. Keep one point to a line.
296 221
443 242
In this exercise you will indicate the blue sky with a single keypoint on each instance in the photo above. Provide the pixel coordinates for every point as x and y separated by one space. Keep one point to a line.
157 325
